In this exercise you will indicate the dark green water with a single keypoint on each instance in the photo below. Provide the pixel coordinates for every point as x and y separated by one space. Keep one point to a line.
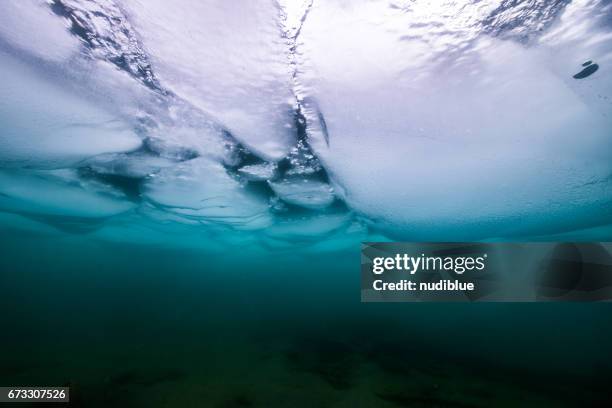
128 325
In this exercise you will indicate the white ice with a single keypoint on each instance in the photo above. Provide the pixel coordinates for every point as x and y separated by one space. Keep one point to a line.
203 190
306 193
438 131
227 58
46 125
58 193
258 172
428 125
31 26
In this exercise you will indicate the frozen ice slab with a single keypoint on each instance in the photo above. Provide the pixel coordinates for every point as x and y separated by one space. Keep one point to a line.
259 172
307 193
227 58
31 27
58 193
109 68
202 189
137 165
436 129
434 119
109 36
45 125
584 34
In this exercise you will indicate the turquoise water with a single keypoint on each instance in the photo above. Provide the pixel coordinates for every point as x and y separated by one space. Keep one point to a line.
144 325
